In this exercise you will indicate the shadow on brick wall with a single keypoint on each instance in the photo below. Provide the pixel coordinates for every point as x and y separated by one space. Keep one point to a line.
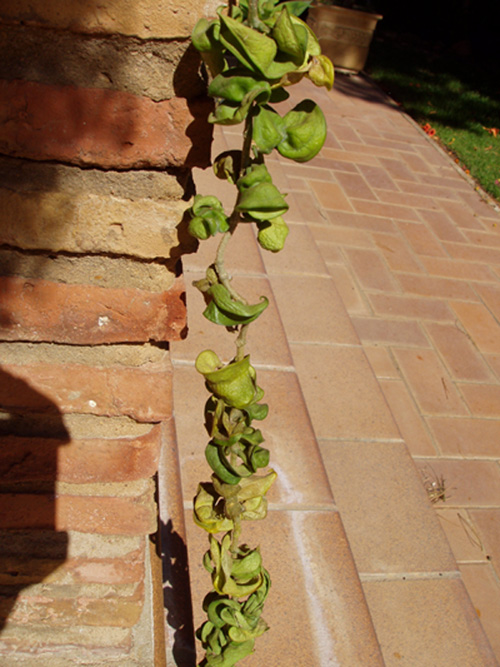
32 547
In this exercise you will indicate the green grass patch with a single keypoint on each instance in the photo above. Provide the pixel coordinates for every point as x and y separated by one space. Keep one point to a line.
458 102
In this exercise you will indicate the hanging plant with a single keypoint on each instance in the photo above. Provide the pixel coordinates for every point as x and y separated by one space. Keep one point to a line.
253 51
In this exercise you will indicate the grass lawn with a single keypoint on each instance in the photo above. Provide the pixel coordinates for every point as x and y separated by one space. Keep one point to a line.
456 100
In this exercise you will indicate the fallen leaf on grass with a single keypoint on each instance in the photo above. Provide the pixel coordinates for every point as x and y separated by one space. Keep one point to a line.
492 130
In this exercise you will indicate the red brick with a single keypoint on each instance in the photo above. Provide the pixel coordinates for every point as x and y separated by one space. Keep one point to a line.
355 185
105 515
454 268
377 177
79 461
141 393
396 253
104 128
397 169
413 307
481 326
482 399
41 310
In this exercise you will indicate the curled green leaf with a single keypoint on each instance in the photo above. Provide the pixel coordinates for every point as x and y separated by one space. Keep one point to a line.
225 310
208 217
321 71
268 129
305 128
206 515
272 234
234 382
253 49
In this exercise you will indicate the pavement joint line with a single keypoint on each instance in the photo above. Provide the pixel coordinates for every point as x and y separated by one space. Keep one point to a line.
367 577
179 363
284 507
320 343
354 439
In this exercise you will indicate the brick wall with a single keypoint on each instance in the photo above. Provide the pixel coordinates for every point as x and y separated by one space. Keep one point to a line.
102 117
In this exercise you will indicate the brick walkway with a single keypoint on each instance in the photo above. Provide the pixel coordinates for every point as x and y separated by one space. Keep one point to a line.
380 357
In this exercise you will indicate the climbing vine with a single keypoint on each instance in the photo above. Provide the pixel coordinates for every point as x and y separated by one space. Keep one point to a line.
252 51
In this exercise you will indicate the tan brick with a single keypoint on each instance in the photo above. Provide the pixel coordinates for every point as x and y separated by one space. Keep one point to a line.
62 221
465 436
113 612
413 307
84 461
397 253
104 128
41 310
147 19
384 210
128 64
482 399
109 516
422 240
370 269
389 331
330 195
460 355
142 393
438 287
480 325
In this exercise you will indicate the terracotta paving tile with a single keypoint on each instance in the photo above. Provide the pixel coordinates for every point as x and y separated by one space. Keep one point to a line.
397 169
407 418
322 619
483 239
345 133
416 163
397 253
341 236
482 399
389 332
347 288
330 253
469 483
300 256
331 141
381 362
444 228
462 534
482 208
287 431
413 307
466 436
376 151
345 402
459 353
370 269
384 210
340 165
242 255
480 325
377 177
455 268
462 215
300 171
427 622
429 382
484 590
422 240
405 199
330 196
436 287
355 185
384 508
487 522
455 181
359 221
434 191
346 156
266 338
400 146
494 362
474 253
312 310
309 211
490 294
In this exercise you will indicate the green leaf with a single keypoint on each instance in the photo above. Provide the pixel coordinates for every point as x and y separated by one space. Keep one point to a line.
223 309
262 202
234 85
253 49
268 129
305 128
291 37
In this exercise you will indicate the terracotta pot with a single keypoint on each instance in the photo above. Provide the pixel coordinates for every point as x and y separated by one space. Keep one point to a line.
344 34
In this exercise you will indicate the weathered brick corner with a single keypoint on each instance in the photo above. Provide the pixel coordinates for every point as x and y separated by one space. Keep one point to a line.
102 117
